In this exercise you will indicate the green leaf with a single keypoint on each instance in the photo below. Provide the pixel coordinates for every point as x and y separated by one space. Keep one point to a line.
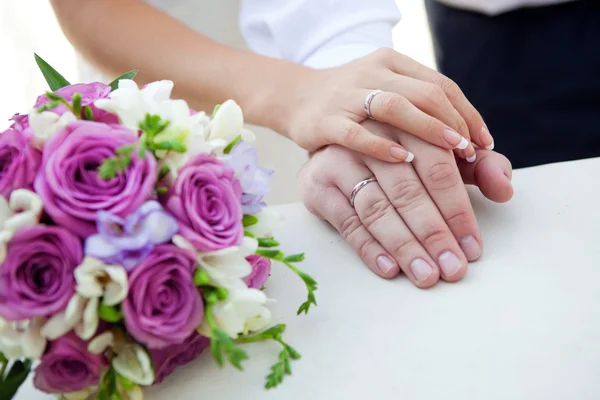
173 145
127 75
215 110
231 145
294 258
273 254
164 171
48 106
77 104
249 220
88 115
55 97
127 149
110 313
249 234
14 379
217 353
54 79
267 242
108 169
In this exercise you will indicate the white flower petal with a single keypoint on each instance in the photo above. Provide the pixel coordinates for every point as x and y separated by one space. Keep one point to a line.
88 325
134 363
248 136
116 290
5 211
56 327
182 243
46 123
228 122
100 343
269 221
32 341
29 206
243 311
87 274
75 308
158 91
79 395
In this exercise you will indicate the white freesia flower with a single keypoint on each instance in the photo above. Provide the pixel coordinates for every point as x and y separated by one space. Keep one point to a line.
100 343
22 339
84 394
228 124
134 363
269 221
24 209
46 124
245 310
94 280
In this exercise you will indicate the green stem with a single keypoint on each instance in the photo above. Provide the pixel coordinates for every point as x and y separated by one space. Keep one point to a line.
4 363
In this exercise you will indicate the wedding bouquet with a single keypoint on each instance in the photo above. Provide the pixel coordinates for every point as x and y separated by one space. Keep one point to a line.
133 235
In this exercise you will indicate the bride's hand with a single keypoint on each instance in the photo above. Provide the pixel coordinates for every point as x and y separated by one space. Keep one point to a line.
416 218
328 107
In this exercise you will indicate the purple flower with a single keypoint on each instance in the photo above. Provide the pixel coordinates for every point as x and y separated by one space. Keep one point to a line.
67 366
163 306
206 200
261 268
126 241
19 162
20 122
70 186
90 92
254 179
36 278
166 360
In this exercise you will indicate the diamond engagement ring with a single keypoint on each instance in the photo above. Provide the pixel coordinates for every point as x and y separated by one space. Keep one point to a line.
359 186
368 101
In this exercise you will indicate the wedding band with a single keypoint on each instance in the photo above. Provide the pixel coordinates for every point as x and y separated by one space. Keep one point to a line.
368 101
359 186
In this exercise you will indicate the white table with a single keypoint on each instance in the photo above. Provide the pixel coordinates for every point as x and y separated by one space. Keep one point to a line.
524 323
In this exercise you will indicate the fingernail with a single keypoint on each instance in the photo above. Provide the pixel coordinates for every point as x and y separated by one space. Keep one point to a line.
455 139
385 264
472 158
486 137
470 246
449 263
410 157
400 154
421 269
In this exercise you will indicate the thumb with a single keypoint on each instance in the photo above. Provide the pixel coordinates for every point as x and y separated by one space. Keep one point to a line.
491 172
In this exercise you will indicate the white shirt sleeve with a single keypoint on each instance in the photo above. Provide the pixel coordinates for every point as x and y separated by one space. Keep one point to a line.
318 33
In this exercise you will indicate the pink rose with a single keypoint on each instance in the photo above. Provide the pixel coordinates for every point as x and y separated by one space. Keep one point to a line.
19 162
261 268
167 359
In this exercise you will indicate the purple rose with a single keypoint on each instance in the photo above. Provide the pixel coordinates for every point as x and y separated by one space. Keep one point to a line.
36 278
20 122
67 366
70 186
19 162
261 268
254 179
89 92
163 307
207 201
166 360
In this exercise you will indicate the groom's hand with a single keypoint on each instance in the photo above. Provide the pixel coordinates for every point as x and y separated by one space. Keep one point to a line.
416 218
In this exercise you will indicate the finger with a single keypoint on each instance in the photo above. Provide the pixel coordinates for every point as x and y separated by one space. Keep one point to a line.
381 220
440 176
353 136
412 202
398 111
492 173
336 208
478 131
432 100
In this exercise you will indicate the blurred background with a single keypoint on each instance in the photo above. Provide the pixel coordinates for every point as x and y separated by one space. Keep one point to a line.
28 26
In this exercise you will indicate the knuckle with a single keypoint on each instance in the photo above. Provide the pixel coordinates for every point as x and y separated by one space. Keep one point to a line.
391 103
350 134
403 246
461 125
462 217
434 127
366 248
433 94
443 176
349 226
375 210
404 195
384 53
449 87
436 236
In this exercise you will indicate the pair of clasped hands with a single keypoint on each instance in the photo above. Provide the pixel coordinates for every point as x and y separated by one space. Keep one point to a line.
422 142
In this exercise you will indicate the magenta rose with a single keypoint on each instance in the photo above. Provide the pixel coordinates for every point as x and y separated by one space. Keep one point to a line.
19 162
163 307
90 92
261 268
36 278
207 201
69 183
167 359
67 366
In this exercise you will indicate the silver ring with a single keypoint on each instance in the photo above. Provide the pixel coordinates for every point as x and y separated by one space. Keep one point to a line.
359 186
368 101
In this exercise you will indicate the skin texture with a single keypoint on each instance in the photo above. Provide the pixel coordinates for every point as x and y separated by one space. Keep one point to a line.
314 108
419 211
